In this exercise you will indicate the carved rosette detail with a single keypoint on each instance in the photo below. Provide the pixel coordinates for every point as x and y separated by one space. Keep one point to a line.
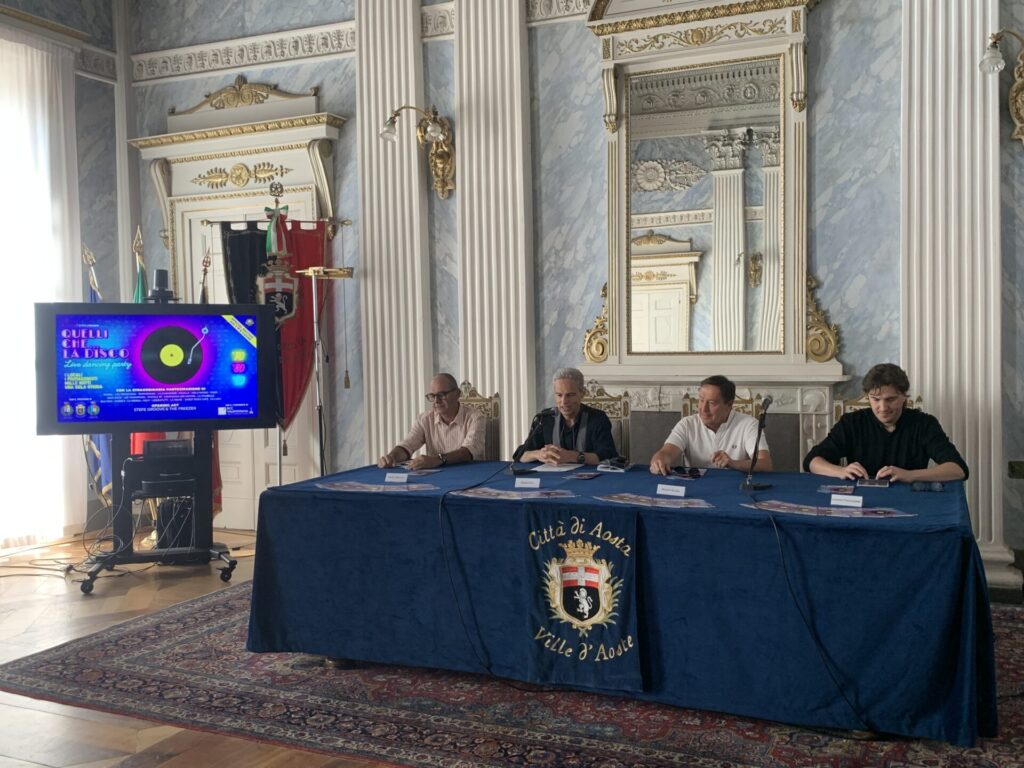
595 342
664 175
822 336
240 174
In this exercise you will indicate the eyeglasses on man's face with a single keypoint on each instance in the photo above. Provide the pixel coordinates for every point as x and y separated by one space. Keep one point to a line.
435 396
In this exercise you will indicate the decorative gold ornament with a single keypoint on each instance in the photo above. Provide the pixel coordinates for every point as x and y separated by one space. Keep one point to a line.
796 21
595 342
240 174
698 36
822 336
755 269
241 94
650 276
650 239
685 17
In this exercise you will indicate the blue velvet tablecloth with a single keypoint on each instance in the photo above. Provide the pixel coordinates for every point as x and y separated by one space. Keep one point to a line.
858 623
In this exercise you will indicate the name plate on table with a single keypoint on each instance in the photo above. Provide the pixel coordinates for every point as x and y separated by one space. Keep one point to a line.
671 490
527 482
846 500
396 477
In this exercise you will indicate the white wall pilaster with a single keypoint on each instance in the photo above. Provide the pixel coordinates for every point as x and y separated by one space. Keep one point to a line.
495 237
393 268
950 270
771 306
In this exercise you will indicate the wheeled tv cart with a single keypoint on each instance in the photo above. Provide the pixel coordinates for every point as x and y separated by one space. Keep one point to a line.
186 477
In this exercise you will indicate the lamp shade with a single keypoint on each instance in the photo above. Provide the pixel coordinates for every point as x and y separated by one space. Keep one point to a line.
992 62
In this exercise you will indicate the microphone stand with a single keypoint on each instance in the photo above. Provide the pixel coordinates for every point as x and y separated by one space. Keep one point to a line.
748 483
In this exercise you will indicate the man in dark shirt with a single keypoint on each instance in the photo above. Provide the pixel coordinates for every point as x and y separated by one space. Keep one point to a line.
570 433
888 440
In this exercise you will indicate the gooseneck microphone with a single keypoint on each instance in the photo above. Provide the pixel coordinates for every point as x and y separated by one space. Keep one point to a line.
748 483
536 425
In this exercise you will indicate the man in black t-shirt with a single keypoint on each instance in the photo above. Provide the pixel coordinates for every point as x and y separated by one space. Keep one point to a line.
570 433
887 440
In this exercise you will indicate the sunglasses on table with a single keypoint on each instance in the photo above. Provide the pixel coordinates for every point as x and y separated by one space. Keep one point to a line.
694 473
432 396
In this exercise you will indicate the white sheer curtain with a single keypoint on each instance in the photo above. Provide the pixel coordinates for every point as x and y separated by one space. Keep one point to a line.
39 230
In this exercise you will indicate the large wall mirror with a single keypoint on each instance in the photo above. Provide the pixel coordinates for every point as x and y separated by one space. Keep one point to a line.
705 244
705 110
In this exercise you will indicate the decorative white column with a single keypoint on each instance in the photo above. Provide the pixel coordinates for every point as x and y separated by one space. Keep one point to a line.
495 246
771 307
393 179
950 270
729 304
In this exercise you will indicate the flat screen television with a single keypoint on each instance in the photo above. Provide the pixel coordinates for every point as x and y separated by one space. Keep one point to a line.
154 367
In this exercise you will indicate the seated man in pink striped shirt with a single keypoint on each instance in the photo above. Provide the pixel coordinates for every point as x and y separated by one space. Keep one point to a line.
449 433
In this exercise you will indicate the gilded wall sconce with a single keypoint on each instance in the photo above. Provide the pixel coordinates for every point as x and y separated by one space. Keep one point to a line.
992 62
435 131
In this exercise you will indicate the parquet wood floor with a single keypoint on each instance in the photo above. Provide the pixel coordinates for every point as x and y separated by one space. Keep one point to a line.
41 607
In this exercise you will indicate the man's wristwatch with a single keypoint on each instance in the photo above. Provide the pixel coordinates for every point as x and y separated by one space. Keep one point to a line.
581 458
444 458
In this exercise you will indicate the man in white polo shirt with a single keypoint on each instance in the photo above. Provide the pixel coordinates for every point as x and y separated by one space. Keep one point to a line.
448 433
715 436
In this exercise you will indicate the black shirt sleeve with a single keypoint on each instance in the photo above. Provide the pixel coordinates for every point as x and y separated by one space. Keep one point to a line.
541 427
834 447
599 435
939 447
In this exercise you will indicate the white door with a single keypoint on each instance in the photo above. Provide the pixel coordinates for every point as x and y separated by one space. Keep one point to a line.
248 457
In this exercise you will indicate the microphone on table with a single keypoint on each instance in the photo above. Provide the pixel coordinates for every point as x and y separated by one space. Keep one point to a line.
748 483
537 424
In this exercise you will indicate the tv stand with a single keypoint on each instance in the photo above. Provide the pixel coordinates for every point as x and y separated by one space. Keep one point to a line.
184 477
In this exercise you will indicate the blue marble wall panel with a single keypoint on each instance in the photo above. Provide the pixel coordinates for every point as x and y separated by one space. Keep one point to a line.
854 134
1012 217
94 17
158 25
97 179
439 91
342 332
570 234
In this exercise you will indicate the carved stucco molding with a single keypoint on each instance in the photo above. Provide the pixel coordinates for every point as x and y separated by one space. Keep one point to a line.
664 175
696 37
263 50
726 149
96 63
545 10
768 141
298 45
437 20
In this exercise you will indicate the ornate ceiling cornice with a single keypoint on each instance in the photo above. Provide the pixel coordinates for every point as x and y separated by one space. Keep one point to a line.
297 45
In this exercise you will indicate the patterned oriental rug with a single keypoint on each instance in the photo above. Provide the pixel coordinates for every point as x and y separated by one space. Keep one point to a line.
187 666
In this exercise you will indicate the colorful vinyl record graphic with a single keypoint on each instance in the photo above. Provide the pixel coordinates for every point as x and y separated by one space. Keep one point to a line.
172 355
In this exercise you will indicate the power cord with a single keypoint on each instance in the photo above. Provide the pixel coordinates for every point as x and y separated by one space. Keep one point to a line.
449 554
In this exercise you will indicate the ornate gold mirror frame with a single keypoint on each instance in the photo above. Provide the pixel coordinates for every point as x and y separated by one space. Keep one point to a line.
691 34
